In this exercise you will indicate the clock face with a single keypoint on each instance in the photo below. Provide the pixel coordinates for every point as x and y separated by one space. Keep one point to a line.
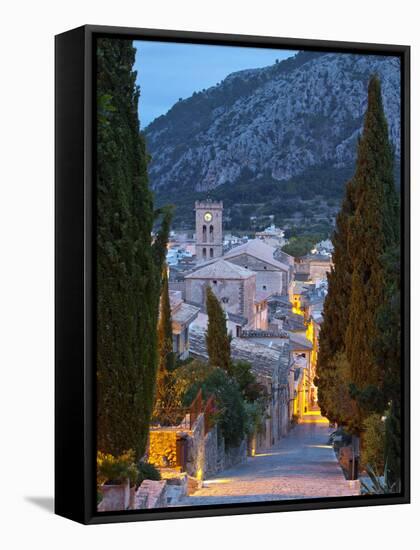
208 217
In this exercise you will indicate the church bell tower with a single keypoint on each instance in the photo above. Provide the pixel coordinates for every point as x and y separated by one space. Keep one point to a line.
208 229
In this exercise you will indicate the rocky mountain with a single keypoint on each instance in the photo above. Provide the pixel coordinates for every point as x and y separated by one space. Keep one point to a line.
294 125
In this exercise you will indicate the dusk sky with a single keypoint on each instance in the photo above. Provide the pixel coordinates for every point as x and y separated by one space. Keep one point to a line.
168 71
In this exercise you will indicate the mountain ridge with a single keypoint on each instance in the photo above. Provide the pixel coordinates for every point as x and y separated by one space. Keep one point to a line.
271 124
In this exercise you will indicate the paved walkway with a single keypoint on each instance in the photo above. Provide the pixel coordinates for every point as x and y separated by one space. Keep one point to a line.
302 466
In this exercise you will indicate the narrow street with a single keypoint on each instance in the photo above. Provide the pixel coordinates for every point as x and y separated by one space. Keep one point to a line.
302 466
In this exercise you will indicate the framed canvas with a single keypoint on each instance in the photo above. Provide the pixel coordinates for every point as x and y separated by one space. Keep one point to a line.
232 274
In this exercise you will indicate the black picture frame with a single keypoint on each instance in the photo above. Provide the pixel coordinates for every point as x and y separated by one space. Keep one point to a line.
75 485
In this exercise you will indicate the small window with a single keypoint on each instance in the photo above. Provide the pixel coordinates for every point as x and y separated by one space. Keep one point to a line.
215 282
246 267
211 253
264 287
204 253
265 267
225 300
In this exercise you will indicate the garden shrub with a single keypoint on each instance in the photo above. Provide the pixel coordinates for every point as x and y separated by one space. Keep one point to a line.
373 443
115 469
147 471
229 401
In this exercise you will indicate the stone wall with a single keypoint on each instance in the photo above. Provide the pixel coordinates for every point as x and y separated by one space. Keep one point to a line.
178 286
319 270
235 455
151 494
206 453
115 497
211 456
269 278
196 449
162 448
225 288
230 456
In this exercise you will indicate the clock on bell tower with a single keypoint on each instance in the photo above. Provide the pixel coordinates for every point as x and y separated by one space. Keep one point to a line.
208 229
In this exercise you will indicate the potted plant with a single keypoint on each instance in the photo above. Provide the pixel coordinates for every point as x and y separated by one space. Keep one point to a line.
115 475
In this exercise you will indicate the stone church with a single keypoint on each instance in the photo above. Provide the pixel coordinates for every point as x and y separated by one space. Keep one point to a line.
235 288
272 275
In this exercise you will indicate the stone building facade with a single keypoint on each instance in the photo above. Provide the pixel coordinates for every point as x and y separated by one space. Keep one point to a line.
272 275
234 286
314 267
208 230
182 316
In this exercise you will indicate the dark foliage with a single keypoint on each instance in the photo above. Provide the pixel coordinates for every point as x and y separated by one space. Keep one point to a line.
360 335
231 413
166 360
217 338
147 471
129 265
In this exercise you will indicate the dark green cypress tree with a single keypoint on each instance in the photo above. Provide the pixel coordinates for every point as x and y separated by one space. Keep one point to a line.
372 230
217 338
166 363
166 354
129 264
389 360
361 311
335 319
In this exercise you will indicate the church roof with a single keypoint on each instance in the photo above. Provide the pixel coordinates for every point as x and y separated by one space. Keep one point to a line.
221 269
258 249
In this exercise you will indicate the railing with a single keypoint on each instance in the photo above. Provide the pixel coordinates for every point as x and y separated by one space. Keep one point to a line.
196 408
186 417
173 417
209 414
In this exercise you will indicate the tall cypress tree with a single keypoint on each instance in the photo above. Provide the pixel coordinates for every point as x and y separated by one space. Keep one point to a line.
331 355
217 338
165 345
129 263
389 359
359 340
372 230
